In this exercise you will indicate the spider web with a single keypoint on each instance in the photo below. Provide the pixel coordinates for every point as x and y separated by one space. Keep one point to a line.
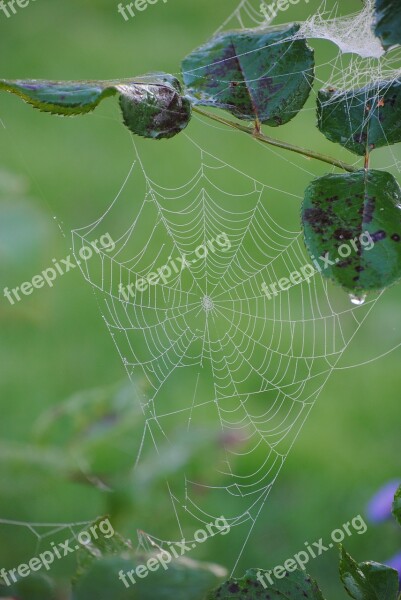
263 361
41 531
260 362
325 23
255 365
44 534
361 59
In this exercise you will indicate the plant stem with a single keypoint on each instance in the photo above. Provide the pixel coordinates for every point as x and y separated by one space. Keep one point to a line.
277 143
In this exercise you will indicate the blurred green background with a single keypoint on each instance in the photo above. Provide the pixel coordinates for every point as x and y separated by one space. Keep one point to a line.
61 174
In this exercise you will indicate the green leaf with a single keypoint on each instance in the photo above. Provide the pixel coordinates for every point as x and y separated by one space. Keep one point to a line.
110 544
102 429
369 580
397 505
60 97
255 585
92 418
152 105
354 219
388 22
252 73
101 426
29 460
183 579
34 587
104 564
155 110
362 119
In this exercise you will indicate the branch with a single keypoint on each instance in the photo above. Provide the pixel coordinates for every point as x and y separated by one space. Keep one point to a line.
277 143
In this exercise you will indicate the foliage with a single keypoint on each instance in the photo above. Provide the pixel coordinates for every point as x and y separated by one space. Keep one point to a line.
252 74
152 105
101 564
360 208
153 114
34 587
362 119
363 581
368 580
397 505
296 585
388 22
98 576
99 429
266 75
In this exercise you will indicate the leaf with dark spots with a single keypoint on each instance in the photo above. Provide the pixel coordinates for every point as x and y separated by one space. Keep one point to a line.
397 505
252 73
362 119
359 231
387 24
152 105
155 110
262 585
369 580
60 97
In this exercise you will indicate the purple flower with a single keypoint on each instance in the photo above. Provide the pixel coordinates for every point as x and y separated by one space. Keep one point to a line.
379 508
395 563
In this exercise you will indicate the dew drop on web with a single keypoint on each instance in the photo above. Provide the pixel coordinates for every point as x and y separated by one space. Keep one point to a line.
357 300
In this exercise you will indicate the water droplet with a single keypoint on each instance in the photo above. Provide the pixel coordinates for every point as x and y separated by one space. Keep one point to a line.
357 300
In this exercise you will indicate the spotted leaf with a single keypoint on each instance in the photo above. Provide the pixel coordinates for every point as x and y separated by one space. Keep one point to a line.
152 105
354 220
362 119
260 585
252 73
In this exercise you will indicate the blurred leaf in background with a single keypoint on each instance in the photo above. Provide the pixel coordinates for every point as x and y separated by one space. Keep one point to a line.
25 239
